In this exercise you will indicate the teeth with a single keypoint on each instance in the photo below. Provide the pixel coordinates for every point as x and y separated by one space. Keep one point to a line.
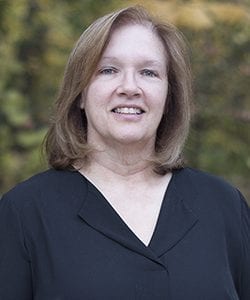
128 110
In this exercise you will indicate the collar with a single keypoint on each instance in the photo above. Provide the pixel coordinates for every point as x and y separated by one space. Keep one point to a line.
175 220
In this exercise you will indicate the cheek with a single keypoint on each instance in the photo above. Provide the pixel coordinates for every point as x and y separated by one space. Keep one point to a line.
98 93
92 98
161 98
95 107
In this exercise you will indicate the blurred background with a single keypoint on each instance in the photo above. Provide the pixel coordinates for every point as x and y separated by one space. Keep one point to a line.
36 37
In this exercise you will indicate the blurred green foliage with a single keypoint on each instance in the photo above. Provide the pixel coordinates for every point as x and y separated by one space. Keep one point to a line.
36 37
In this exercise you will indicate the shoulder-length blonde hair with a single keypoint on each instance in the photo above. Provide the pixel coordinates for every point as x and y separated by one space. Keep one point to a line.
66 140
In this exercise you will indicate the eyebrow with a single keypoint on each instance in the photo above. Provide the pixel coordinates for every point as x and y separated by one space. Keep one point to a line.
146 61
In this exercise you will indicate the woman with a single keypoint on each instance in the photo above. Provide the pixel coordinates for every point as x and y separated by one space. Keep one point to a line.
118 216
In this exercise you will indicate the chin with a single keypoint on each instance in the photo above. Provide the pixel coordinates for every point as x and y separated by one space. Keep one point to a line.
129 140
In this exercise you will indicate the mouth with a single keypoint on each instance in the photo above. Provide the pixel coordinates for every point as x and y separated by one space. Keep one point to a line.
128 110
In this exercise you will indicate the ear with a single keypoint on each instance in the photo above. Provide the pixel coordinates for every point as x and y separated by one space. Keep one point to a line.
82 100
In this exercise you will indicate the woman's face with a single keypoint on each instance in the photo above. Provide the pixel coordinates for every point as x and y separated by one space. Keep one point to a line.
125 99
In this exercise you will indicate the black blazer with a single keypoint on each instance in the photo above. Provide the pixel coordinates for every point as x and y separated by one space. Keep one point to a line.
61 240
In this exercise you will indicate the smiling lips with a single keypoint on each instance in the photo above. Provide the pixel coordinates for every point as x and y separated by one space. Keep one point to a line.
128 110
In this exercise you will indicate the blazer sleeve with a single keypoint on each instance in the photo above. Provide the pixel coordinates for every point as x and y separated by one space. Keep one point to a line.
245 264
15 267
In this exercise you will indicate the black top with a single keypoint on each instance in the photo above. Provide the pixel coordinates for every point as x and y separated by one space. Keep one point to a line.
60 239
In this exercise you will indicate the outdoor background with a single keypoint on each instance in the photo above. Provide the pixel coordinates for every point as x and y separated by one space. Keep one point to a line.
36 37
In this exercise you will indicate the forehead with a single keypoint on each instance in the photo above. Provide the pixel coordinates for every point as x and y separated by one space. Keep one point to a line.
133 40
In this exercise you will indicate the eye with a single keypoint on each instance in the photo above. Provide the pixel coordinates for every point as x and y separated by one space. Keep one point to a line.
149 73
107 71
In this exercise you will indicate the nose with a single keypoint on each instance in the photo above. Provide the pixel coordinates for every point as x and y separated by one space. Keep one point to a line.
129 86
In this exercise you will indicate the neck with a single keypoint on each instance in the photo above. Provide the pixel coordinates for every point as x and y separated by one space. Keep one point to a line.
125 162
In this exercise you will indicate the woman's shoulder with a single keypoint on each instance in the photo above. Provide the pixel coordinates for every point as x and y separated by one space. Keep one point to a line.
39 181
210 191
206 182
44 186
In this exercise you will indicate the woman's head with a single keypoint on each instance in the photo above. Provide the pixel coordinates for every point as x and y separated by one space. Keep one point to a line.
66 141
125 98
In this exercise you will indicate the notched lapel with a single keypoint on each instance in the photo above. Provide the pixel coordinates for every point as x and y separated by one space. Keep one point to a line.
175 221
99 214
